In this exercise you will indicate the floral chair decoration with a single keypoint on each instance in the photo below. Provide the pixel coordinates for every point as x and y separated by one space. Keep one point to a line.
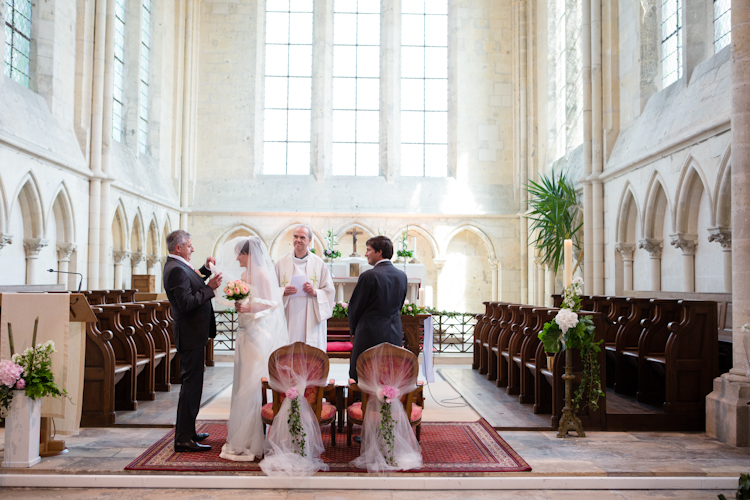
389 392
297 375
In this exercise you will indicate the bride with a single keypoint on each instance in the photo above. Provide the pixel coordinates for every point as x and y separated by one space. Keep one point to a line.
261 330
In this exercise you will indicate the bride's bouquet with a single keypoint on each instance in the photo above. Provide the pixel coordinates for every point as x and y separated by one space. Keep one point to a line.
236 290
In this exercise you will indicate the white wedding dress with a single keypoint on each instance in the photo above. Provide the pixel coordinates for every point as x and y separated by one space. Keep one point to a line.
258 335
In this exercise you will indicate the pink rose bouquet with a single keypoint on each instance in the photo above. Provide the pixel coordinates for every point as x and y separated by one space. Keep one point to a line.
236 290
388 393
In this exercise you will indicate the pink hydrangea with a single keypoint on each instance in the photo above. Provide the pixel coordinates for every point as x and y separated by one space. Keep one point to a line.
292 393
388 393
9 373
21 384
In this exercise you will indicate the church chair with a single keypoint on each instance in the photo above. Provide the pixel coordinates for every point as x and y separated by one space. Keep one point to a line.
164 314
478 326
514 348
503 337
491 329
119 296
403 366
300 358
103 372
162 345
480 335
527 359
628 333
96 297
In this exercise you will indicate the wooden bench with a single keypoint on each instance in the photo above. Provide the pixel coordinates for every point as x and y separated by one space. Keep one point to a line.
513 347
505 330
338 344
478 326
487 356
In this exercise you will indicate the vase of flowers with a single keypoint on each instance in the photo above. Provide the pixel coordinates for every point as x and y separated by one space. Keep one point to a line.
24 381
568 331
403 253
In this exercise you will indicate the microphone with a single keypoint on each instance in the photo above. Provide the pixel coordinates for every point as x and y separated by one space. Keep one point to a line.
68 272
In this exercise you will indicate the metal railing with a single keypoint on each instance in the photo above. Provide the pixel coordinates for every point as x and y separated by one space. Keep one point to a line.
452 333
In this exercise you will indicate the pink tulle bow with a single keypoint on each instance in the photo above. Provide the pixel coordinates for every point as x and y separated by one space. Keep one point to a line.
292 393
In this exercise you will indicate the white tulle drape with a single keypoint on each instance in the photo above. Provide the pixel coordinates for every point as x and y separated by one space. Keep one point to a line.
259 333
386 369
295 368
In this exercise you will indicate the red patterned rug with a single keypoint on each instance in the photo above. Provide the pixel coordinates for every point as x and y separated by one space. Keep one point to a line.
446 447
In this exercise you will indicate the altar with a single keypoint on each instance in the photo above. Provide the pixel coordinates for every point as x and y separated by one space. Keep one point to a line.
346 273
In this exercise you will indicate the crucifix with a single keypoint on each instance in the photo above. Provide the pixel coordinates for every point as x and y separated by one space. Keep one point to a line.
354 234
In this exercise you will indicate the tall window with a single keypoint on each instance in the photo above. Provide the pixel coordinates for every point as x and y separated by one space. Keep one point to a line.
119 70
424 88
573 75
17 40
722 24
671 41
356 87
145 52
288 87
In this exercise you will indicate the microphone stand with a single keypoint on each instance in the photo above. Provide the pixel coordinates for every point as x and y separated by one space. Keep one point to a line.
80 282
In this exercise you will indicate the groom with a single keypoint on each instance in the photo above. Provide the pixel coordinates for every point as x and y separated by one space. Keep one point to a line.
375 306
190 298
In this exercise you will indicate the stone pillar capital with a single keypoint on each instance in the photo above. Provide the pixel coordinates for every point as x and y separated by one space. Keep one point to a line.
494 264
136 258
685 242
626 250
65 250
32 246
151 261
439 263
120 256
653 246
5 239
721 235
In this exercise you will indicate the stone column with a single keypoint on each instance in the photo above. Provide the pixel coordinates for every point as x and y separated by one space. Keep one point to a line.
539 283
32 247
686 243
439 265
135 259
627 250
151 261
5 239
723 236
494 266
120 257
64 251
728 406
654 247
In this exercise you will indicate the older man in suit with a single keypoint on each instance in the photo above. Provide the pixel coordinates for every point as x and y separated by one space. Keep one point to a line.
375 305
194 323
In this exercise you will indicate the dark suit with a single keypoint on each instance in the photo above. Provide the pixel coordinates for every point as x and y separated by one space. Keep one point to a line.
375 310
194 323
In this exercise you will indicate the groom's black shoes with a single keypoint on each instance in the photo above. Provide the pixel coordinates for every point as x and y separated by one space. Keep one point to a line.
200 436
357 439
190 446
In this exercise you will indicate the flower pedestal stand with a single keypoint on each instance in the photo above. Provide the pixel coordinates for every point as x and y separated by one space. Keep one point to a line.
569 420
22 428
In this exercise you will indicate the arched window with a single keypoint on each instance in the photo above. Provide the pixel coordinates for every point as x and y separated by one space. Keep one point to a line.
119 70
356 87
17 40
722 24
424 88
671 41
288 87
145 53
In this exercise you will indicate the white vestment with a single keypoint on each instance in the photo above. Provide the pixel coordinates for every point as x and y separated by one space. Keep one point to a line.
307 317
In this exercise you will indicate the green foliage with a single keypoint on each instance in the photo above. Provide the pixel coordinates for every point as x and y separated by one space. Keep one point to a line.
590 389
386 429
550 337
448 314
411 309
37 371
295 427
405 253
340 310
743 489
554 212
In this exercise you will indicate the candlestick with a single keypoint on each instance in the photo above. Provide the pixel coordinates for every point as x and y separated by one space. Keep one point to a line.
568 263
421 294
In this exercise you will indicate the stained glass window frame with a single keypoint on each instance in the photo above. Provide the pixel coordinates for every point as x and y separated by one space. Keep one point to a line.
118 71
17 60
143 103
722 24
671 33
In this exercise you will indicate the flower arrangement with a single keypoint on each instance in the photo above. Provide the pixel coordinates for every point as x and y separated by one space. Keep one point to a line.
411 309
403 241
295 425
340 310
236 290
568 331
387 394
329 252
30 370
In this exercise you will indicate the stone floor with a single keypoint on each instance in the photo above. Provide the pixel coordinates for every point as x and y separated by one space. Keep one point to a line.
106 451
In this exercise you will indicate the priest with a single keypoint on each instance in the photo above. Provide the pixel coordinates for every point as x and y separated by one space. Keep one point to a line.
308 291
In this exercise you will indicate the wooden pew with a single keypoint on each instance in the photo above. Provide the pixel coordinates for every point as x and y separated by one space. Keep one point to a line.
104 376
478 326
488 357
481 329
162 344
628 334
527 359
495 328
514 346
503 338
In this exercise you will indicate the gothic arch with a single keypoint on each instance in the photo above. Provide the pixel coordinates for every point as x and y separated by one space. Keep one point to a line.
4 209
474 229
229 233
62 213
119 228
275 240
422 231
628 215
658 207
345 228
690 189
722 212
166 230
30 199
137 233
152 238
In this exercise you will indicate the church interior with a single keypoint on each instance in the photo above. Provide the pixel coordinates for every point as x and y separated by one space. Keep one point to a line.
425 121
